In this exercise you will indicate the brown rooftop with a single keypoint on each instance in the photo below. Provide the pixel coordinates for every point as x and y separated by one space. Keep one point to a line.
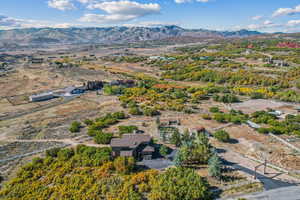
148 149
130 140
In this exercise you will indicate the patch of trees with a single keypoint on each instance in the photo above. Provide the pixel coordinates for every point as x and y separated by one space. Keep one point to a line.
113 90
236 117
194 151
95 128
92 173
254 93
178 184
127 129
290 125
227 98
288 95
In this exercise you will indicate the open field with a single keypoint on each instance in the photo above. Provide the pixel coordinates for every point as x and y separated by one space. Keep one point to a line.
254 105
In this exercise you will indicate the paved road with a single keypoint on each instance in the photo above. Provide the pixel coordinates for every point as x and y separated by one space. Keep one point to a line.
286 193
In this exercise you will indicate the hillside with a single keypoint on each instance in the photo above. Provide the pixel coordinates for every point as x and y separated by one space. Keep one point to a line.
108 35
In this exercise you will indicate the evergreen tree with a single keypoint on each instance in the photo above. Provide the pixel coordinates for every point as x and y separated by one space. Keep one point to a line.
163 150
215 166
176 139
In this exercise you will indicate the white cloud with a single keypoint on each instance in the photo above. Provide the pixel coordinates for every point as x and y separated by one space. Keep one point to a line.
258 17
127 7
268 22
13 23
265 25
9 22
293 22
106 19
120 11
286 11
61 4
85 1
187 1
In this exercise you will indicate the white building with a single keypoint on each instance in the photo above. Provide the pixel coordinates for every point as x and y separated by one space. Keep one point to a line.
41 97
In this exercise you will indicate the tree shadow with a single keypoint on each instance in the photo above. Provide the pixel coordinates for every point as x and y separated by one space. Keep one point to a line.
233 141
218 150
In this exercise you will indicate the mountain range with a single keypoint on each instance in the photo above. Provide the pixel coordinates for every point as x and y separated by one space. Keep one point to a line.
108 35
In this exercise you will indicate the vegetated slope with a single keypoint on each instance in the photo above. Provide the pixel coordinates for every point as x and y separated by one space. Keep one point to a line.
107 35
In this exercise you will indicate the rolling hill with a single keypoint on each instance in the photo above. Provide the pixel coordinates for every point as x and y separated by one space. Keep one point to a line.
107 35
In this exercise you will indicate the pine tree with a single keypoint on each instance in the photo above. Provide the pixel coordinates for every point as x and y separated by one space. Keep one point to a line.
215 167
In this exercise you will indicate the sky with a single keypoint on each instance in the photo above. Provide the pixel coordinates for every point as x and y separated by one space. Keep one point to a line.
260 15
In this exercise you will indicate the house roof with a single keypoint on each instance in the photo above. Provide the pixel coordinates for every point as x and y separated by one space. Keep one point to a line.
45 94
130 140
148 149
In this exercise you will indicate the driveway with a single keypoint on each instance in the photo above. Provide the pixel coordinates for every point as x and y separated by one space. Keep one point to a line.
271 180
286 193
159 164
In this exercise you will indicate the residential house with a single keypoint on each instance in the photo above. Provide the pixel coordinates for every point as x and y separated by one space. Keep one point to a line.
93 85
137 146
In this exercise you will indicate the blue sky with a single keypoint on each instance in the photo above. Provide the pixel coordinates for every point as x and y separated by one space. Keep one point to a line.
262 15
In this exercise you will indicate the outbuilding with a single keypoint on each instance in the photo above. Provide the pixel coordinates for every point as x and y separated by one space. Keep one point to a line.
41 97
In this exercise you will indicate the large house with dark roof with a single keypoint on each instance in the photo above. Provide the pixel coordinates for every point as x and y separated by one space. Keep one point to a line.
135 145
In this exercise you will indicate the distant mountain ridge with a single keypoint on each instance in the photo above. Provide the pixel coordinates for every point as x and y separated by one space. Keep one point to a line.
107 35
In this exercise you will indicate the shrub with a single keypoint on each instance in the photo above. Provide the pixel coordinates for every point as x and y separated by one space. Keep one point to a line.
214 109
263 130
113 90
298 83
124 165
65 154
103 138
135 111
75 127
222 136
52 152
127 129
219 117
257 95
119 115
150 111
206 116
88 122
